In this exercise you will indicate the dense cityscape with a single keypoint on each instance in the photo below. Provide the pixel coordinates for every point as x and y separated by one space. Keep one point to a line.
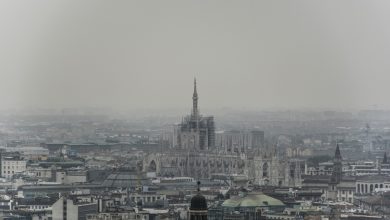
274 165
194 110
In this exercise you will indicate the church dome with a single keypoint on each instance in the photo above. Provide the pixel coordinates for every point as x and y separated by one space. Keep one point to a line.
252 200
198 202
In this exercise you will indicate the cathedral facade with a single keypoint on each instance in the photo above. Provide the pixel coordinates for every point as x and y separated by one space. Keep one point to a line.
195 155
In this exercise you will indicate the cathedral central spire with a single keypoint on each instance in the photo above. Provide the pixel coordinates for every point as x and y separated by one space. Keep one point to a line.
195 101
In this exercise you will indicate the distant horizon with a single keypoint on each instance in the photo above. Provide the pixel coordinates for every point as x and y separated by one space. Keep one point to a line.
174 111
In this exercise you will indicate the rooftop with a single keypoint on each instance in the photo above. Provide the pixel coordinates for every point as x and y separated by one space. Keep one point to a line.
252 200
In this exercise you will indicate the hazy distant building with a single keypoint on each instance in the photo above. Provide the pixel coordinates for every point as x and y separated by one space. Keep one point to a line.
367 145
196 155
240 141
196 131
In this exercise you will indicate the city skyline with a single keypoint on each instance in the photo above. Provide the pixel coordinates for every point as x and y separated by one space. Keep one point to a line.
194 110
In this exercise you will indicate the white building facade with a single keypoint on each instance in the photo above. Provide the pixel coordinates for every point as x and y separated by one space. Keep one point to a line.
11 166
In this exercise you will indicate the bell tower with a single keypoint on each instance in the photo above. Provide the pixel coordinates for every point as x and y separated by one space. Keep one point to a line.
336 177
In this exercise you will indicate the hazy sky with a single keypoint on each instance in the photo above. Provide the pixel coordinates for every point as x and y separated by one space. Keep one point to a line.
245 54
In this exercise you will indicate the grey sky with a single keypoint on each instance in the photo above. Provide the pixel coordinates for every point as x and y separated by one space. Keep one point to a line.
245 54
